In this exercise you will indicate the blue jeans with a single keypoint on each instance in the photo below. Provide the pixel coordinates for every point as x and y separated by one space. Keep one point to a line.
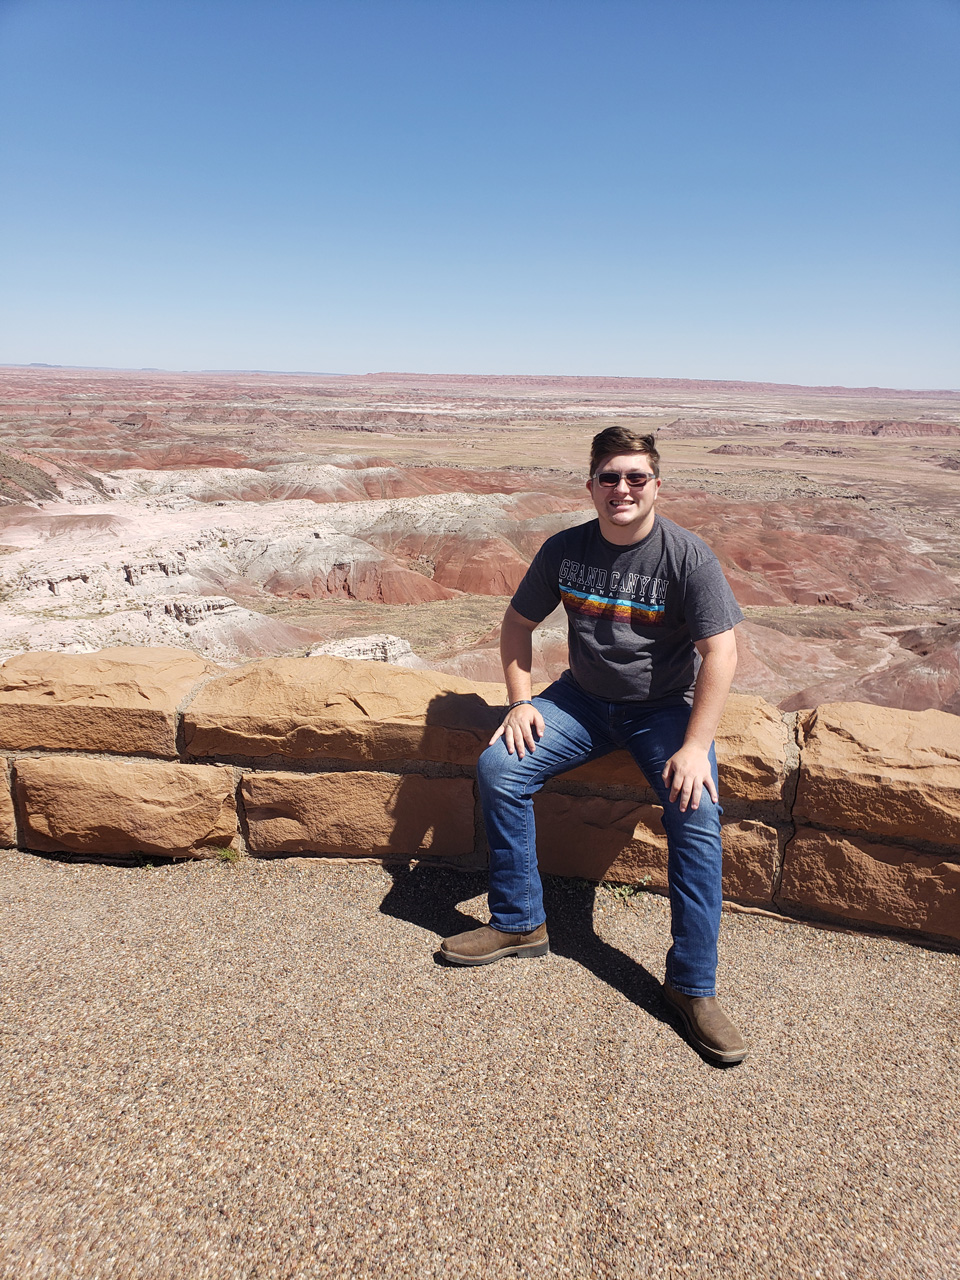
579 728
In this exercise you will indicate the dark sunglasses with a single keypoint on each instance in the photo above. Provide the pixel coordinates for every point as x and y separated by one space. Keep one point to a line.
635 479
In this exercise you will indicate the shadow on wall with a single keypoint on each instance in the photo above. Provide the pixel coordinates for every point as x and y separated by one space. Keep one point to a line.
428 897
462 713
435 816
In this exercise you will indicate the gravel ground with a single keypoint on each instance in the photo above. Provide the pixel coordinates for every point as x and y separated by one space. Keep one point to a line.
260 1070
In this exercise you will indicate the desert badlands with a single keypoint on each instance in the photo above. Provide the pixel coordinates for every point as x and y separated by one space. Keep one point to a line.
233 1066
392 515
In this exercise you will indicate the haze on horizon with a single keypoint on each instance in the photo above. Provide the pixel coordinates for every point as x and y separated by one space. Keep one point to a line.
759 191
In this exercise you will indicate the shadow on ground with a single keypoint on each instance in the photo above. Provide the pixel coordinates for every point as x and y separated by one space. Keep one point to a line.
428 897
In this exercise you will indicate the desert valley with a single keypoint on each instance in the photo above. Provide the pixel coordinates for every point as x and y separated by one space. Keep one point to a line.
392 515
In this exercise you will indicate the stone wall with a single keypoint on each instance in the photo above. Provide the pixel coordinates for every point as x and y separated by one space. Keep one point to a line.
850 813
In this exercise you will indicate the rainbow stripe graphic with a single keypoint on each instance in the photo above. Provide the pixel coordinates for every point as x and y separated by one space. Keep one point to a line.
588 606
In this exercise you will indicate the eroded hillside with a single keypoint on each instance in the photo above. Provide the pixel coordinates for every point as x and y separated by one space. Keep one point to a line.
247 515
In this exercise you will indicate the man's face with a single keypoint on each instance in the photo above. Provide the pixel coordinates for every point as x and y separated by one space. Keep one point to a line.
626 511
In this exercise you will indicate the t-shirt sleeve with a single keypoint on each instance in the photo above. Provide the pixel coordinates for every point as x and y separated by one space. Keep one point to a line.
709 604
539 593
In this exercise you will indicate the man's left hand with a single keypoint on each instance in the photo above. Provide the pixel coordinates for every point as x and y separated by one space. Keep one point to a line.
687 772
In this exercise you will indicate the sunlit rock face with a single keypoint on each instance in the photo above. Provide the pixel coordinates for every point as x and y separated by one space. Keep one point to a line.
128 697
848 813
107 807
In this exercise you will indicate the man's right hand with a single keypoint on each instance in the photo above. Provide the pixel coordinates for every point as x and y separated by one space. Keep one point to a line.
522 728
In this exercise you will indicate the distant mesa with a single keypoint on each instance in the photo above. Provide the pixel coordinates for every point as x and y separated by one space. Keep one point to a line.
745 450
903 430
690 428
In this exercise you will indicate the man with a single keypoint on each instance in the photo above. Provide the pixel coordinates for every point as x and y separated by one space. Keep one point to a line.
652 655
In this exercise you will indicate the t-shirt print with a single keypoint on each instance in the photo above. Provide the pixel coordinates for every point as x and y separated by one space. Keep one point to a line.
630 597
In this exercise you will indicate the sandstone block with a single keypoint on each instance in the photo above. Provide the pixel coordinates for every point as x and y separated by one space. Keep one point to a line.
310 708
751 860
615 770
359 814
752 743
621 841
600 839
751 754
882 771
119 807
118 700
8 822
852 878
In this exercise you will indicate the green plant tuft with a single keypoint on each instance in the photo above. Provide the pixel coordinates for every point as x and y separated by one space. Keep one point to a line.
229 855
624 892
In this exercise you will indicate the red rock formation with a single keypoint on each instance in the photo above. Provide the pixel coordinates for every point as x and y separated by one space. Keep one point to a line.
149 428
929 679
356 576
808 552
481 566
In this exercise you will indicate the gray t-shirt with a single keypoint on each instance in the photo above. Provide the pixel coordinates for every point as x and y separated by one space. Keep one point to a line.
633 612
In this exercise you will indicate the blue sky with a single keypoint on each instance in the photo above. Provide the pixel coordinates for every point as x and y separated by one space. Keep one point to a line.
678 188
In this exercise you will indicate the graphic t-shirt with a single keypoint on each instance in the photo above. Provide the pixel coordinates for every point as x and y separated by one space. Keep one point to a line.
633 612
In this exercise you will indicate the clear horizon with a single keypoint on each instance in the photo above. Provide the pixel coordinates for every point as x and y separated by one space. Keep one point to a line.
461 373
764 191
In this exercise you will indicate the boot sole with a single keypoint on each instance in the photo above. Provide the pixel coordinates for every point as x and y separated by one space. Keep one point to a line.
725 1058
529 951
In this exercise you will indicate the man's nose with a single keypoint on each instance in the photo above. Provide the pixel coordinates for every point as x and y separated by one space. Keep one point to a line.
621 486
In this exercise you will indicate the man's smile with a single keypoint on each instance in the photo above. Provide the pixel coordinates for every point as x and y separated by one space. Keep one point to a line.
627 511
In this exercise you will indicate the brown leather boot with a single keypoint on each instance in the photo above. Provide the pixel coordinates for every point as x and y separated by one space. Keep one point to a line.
486 944
708 1026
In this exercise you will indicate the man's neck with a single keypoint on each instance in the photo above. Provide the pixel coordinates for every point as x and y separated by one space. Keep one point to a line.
628 537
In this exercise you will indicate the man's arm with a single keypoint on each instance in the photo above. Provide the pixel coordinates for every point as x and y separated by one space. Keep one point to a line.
688 770
524 724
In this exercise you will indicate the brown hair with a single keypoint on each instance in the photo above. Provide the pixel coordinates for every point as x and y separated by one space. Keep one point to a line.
617 439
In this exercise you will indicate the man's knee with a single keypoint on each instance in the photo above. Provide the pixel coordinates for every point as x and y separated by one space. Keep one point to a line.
705 819
494 766
501 772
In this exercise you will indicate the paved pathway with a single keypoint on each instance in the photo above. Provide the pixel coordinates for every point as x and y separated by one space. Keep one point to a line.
259 1070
